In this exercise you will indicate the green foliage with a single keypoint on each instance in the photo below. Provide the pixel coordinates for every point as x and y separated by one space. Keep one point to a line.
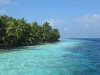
15 32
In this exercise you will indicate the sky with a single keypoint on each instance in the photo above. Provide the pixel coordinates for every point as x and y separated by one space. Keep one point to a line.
73 18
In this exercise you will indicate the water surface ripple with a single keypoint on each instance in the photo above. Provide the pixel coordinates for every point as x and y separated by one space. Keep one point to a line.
67 57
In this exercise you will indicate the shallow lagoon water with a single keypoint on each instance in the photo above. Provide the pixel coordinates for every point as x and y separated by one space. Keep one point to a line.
66 57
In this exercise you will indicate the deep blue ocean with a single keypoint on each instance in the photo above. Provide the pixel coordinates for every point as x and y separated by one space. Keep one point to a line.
66 57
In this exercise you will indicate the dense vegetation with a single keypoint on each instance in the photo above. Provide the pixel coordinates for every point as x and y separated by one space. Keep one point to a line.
16 32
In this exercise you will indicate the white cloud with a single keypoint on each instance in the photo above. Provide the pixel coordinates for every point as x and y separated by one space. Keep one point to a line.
65 29
86 25
3 10
89 23
76 1
53 21
95 18
3 2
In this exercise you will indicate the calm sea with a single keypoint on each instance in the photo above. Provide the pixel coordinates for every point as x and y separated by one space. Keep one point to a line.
66 57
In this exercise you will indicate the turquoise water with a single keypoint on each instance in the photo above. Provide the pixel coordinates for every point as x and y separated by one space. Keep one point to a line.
66 57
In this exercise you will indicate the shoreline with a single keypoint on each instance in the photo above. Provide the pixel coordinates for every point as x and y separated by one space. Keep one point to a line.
6 48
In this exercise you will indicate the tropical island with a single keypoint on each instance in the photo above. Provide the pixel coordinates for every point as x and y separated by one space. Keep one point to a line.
17 32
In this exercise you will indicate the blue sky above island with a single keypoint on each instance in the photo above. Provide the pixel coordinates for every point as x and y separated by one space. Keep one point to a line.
74 18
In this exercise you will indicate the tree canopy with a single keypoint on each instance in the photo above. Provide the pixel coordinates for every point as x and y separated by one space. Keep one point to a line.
16 32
